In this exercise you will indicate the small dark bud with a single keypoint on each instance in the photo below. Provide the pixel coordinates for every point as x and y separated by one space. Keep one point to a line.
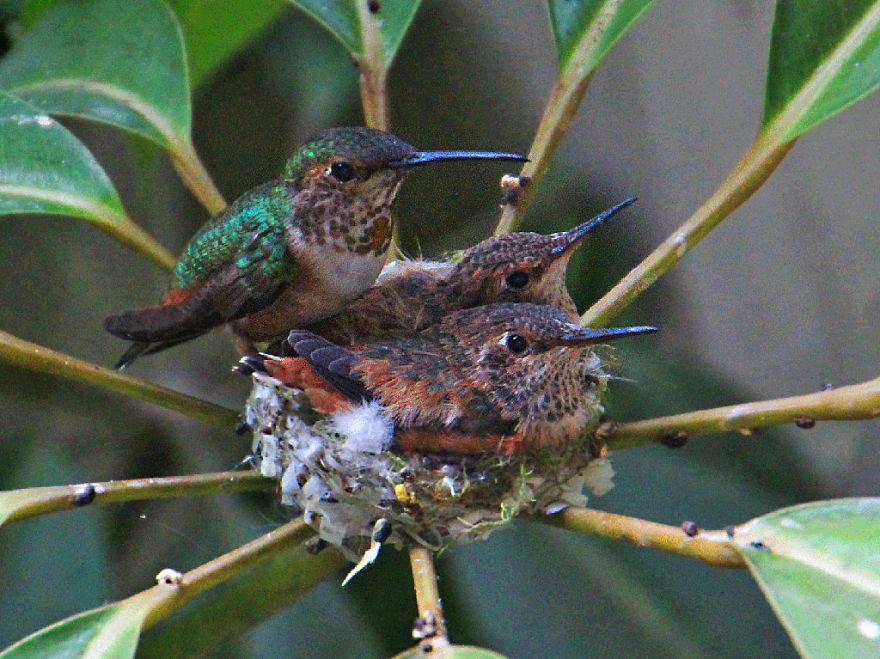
424 626
373 6
383 531
805 422
512 187
242 428
316 545
757 544
427 648
85 496
690 528
674 438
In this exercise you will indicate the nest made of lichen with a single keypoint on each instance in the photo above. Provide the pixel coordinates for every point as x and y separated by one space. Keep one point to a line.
342 471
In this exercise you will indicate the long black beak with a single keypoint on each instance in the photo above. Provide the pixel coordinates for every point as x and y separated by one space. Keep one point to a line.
573 237
581 336
420 158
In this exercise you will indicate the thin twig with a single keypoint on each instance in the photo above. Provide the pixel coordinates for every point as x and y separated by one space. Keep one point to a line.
129 233
374 86
711 547
245 602
853 402
374 72
747 176
169 597
565 97
30 502
35 357
568 90
195 176
430 627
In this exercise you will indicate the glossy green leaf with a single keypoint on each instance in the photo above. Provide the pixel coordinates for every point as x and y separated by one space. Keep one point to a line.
214 35
121 63
348 20
109 631
45 169
819 566
590 26
824 56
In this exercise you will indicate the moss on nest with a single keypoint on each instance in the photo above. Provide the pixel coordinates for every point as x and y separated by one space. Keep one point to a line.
349 486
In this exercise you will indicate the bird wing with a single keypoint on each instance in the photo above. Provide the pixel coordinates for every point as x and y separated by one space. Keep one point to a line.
332 362
249 265
408 376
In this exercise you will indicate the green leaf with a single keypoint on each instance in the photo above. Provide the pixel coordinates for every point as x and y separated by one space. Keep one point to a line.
121 63
591 26
824 56
348 20
213 35
45 169
109 631
819 566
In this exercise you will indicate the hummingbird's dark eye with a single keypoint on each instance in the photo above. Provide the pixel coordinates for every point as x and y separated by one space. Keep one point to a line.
516 343
517 279
342 171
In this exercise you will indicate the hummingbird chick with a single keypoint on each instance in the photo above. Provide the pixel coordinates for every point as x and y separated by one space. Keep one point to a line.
507 377
514 267
291 251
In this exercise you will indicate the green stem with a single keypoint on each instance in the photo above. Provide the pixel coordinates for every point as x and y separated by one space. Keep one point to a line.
711 547
428 596
565 98
374 73
30 502
43 360
194 175
374 85
247 601
751 171
129 233
858 401
166 598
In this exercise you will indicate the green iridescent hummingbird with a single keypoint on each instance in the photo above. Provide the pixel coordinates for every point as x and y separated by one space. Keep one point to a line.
291 251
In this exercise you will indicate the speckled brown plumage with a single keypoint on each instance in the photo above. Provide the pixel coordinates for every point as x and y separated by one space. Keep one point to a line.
515 267
511 377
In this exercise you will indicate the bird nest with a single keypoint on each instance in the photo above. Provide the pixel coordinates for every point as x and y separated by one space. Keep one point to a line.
342 472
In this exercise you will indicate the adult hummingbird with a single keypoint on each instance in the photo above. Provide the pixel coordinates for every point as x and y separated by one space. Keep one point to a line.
290 251
514 267
503 377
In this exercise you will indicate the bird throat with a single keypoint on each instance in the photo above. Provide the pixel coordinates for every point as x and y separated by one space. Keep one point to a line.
357 221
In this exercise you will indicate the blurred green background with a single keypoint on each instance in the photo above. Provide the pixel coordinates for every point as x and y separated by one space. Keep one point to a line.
782 298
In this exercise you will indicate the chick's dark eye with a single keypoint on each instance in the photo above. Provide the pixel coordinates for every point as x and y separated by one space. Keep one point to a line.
516 343
517 279
342 171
